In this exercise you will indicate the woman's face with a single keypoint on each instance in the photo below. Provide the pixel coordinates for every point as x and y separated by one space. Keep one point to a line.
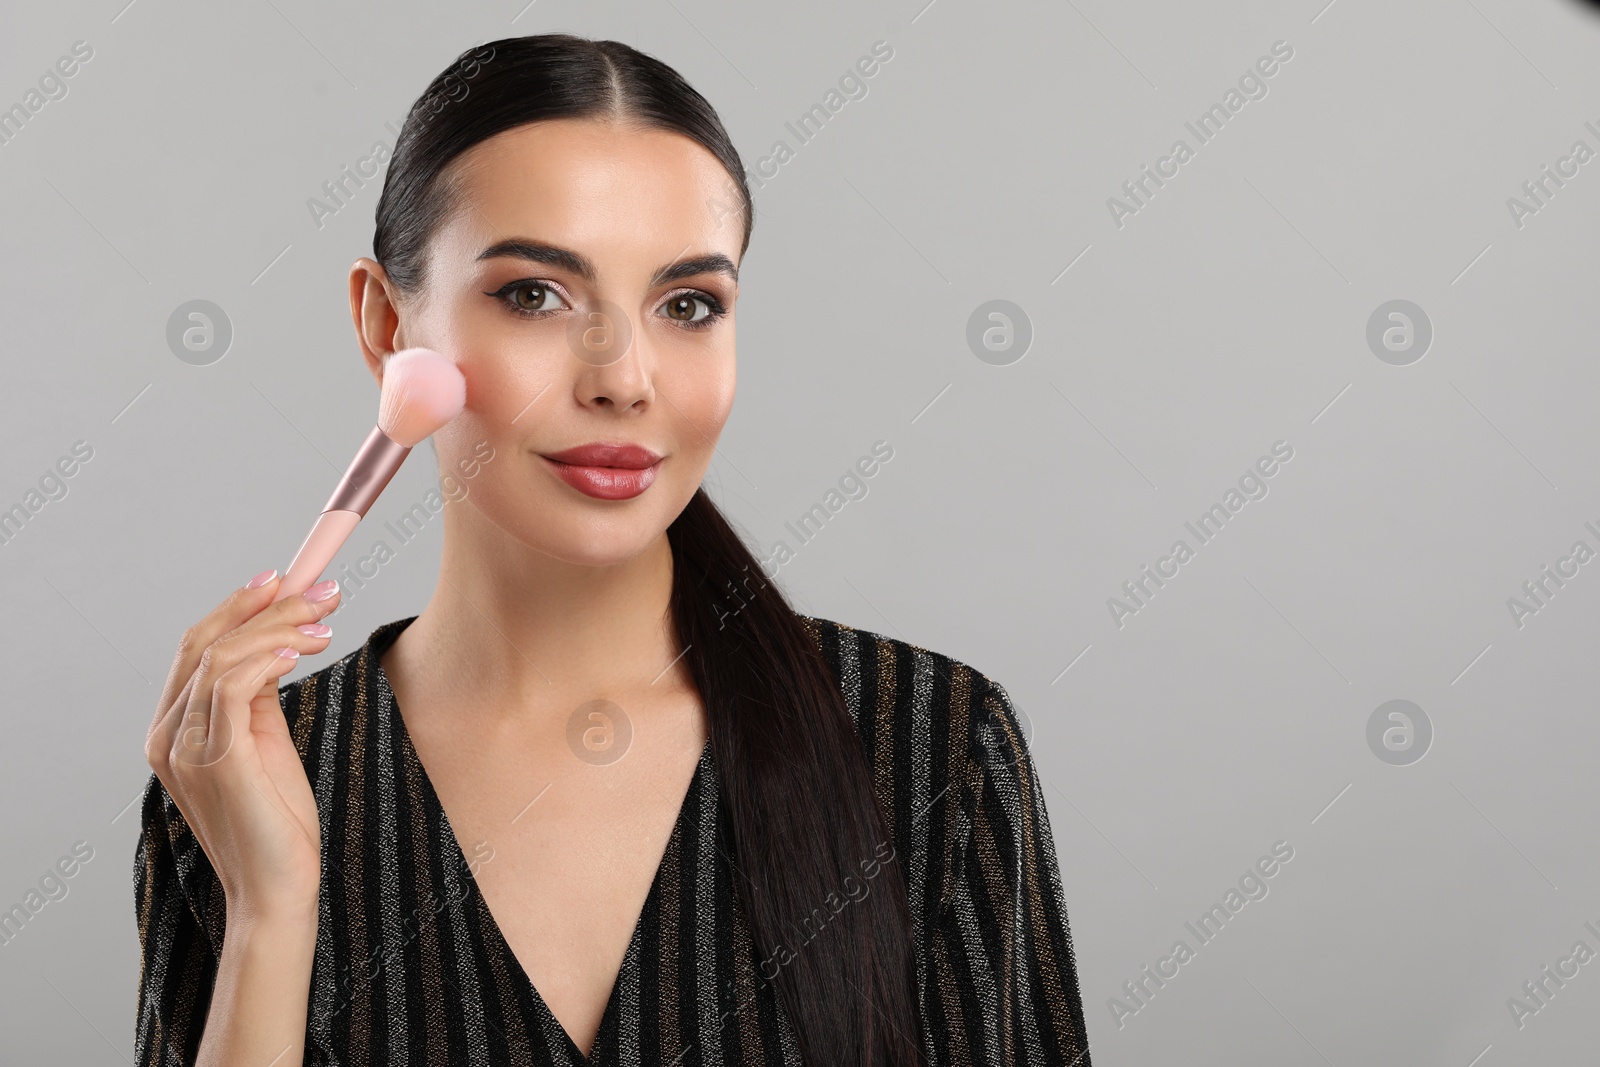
585 285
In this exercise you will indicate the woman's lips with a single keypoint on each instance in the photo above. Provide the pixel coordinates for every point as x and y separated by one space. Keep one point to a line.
606 471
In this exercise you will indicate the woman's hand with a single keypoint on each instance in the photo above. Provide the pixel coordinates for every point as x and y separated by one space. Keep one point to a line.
221 746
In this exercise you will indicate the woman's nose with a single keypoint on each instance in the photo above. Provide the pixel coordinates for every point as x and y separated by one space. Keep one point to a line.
613 365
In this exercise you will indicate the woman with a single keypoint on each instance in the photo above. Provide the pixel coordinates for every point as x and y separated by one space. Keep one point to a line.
703 828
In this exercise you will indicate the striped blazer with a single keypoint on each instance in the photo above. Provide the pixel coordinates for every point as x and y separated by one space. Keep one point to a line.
410 967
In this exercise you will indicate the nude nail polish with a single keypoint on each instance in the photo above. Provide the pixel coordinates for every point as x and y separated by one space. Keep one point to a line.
321 591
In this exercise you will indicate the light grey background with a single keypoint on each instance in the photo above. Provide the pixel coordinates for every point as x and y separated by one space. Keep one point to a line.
1229 313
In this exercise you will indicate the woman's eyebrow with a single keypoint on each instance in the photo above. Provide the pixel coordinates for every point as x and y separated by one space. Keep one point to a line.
576 263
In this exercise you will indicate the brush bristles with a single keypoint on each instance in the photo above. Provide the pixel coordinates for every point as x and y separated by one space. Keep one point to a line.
422 391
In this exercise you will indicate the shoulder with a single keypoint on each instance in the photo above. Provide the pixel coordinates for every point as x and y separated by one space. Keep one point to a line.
332 699
923 717
938 734
889 682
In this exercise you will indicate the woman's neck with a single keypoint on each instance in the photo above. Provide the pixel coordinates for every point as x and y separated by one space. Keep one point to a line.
513 633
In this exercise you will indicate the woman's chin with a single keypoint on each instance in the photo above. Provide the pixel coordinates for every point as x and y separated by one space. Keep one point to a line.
599 549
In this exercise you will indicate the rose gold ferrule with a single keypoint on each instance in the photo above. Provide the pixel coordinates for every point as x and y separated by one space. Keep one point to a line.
379 457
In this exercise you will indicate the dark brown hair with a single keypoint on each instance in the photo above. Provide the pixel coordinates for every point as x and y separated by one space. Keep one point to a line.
794 775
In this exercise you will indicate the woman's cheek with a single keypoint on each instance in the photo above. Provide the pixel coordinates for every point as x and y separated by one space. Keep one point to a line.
711 397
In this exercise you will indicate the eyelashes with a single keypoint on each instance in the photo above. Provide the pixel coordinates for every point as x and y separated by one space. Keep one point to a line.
507 294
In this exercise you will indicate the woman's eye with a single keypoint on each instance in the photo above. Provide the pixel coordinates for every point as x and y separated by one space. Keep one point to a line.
531 297
682 309
693 311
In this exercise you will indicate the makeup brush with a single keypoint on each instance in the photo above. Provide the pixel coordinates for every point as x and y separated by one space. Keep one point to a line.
421 391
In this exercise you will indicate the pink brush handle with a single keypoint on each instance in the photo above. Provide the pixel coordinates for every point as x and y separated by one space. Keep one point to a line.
374 464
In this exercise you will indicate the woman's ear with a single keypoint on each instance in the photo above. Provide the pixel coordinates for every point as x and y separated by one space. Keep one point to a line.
372 309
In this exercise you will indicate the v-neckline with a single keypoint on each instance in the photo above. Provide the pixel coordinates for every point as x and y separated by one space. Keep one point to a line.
389 706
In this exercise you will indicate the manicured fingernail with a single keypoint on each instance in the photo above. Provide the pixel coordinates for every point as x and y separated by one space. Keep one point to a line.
315 629
321 591
288 653
262 579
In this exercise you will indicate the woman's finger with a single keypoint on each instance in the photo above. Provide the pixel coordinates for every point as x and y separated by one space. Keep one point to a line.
237 607
233 643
